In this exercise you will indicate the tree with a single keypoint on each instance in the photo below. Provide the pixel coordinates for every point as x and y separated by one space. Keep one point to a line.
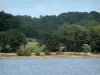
12 38
82 28
93 35
95 38
36 27
78 37
10 35
51 41
72 36
65 33
8 21
16 39
4 41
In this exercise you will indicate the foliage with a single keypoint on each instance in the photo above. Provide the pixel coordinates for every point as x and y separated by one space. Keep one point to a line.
86 48
73 37
58 53
51 31
34 47
16 39
37 53
23 52
47 52
36 27
8 21
12 38
29 40
51 41
20 52
4 41
93 37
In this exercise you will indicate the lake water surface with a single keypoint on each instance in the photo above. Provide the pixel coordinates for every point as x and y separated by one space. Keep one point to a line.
50 66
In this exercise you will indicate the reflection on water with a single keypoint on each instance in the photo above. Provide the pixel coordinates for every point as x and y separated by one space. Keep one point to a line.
50 66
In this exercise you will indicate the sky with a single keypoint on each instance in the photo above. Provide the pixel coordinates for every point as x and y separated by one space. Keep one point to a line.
35 8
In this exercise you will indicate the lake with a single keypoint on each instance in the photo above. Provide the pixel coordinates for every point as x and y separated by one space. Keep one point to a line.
50 66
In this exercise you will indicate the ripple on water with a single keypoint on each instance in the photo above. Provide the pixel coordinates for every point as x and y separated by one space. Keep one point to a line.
59 66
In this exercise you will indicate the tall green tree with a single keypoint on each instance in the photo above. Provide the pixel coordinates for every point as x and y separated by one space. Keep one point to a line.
73 36
51 41
4 41
12 38
16 39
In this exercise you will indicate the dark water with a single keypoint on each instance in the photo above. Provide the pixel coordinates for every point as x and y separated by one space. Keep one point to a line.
50 66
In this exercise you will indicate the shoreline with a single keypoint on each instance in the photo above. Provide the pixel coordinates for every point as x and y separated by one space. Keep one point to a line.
54 56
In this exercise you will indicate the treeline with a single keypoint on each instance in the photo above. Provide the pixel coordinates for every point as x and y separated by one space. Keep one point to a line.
81 27
36 27
72 37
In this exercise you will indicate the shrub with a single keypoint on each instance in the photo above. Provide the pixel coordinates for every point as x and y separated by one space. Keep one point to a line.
24 52
44 49
20 52
37 53
86 48
58 53
27 52
47 52
29 40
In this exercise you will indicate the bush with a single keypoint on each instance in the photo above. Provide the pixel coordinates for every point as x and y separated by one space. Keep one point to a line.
47 52
24 52
58 53
27 52
37 53
86 48
20 52
29 40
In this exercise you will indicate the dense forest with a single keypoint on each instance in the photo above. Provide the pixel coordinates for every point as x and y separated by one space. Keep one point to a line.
72 29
